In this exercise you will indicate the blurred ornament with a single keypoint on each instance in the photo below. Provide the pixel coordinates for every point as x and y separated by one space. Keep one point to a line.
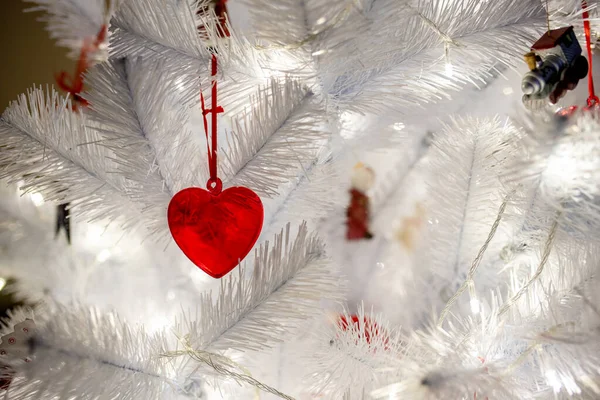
411 227
568 79
357 212
63 221
365 329
16 345
556 66
15 349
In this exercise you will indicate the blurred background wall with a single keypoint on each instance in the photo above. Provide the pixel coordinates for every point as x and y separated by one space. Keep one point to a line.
28 56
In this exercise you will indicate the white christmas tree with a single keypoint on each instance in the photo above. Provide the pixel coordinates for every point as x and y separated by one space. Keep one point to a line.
475 277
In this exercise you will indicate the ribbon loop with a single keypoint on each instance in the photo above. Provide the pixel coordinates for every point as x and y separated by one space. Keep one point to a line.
214 110
214 185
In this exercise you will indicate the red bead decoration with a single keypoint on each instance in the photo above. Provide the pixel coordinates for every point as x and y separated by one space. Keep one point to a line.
369 328
215 229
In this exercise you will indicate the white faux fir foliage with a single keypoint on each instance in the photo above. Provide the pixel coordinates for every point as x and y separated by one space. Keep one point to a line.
72 22
113 353
79 170
480 280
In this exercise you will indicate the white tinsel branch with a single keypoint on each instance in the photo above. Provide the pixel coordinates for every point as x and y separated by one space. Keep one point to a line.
536 349
133 103
415 53
350 350
49 148
142 28
84 353
465 163
290 280
276 140
558 163
71 22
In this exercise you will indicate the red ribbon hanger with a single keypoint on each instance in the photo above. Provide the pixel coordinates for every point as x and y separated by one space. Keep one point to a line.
75 86
592 98
214 184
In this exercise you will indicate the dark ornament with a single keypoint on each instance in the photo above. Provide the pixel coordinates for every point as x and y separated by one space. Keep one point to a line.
63 221
555 67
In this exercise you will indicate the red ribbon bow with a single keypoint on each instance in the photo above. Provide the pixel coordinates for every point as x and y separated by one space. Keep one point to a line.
74 85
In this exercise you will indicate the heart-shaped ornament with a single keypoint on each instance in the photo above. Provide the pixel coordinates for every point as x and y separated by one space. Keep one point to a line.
215 229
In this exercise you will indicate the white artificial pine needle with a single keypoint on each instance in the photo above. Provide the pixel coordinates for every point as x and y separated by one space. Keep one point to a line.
506 210
45 143
289 279
72 22
387 55
276 140
141 28
466 162
100 350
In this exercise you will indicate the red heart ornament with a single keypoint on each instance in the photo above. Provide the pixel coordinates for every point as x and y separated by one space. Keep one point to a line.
215 229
